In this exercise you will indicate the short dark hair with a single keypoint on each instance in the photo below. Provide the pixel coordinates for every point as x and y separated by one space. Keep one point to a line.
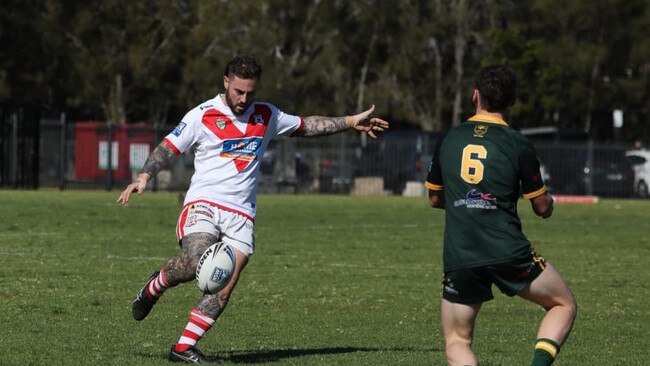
497 86
244 66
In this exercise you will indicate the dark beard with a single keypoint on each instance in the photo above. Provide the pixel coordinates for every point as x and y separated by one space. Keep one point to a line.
232 106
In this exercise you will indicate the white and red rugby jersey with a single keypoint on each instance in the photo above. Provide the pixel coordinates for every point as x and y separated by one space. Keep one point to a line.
228 150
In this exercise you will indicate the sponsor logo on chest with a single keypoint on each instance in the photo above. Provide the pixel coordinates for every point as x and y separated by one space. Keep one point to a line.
243 148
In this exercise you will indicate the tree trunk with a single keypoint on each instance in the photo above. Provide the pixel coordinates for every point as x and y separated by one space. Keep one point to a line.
460 43
434 123
591 98
364 71
114 107
438 125
362 79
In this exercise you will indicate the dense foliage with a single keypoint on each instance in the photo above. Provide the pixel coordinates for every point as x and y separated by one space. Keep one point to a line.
131 61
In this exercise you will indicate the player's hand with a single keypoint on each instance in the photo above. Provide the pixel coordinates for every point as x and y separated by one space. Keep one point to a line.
138 186
364 123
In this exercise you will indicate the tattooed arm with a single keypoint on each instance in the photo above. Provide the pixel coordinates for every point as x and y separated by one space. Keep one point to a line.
321 126
159 159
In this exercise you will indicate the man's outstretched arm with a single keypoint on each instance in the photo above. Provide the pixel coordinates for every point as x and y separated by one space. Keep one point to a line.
321 126
160 158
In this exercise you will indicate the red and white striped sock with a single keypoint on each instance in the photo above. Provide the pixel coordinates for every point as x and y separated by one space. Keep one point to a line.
157 286
198 325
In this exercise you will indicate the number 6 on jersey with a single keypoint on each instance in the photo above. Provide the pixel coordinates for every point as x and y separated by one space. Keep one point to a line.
471 169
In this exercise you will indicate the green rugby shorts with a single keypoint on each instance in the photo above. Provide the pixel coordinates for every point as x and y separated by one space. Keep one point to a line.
474 285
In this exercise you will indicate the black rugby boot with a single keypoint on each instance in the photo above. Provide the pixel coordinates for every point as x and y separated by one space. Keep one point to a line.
190 355
142 304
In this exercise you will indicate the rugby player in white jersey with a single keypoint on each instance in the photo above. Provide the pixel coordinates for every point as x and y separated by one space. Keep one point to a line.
229 135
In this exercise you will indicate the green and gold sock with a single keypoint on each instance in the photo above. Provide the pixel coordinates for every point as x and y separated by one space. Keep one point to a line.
545 352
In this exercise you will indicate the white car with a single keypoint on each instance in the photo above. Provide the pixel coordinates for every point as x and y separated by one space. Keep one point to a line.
640 160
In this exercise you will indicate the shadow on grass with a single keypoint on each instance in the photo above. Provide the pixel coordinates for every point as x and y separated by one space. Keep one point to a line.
264 356
275 355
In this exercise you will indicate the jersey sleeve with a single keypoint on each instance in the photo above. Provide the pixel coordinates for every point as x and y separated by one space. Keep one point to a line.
434 177
289 124
532 184
186 132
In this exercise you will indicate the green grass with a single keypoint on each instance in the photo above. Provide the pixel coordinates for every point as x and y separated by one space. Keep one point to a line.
334 281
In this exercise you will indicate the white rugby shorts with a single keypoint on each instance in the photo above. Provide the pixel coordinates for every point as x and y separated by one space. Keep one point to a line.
232 227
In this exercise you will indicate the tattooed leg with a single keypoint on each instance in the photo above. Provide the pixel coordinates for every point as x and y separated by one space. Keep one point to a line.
213 305
183 269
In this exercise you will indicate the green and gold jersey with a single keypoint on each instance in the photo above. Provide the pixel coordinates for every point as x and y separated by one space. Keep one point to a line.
483 166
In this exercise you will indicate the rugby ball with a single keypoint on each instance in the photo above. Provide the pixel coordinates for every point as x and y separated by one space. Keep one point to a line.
215 268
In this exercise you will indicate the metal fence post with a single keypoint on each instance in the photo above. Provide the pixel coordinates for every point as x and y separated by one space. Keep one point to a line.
62 152
156 131
590 164
343 163
109 171
2 147
35 153
13 151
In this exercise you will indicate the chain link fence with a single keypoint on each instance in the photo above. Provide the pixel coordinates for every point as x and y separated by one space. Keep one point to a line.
78 155
59 154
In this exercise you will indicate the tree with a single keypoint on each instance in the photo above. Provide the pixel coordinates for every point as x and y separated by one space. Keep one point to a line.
573 60
151 61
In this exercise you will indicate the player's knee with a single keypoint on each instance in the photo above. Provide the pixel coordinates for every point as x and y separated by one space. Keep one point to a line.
184 268
570 303
573 305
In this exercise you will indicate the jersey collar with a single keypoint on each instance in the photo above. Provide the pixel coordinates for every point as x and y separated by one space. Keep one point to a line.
488 119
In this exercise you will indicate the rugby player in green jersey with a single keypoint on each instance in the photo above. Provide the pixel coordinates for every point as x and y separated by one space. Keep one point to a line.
478 172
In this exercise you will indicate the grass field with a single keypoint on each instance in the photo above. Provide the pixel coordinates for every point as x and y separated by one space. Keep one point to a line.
335 281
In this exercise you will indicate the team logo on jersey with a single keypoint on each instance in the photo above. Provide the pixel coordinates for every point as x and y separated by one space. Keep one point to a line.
477 199
220 123
480 130
244 148
177 131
